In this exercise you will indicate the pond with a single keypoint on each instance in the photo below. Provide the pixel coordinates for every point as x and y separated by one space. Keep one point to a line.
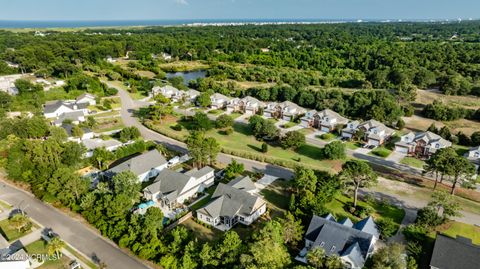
188 76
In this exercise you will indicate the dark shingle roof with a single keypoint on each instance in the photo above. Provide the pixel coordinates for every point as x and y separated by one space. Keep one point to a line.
338 239
169 183
451 253
367 225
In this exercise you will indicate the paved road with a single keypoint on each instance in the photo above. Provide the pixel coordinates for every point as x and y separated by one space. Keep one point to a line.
129 106
74 232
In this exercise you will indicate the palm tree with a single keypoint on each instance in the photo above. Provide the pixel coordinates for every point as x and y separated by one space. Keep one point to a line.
316 257
19 222
54 246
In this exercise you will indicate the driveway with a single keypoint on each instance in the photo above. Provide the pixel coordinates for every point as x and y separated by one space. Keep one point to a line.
395 157
79 235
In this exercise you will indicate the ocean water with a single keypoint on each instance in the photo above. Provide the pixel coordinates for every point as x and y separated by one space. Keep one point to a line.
124 23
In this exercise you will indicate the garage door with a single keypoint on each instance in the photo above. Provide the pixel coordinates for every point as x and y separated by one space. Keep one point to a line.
325 129
347 135
401 150
373 142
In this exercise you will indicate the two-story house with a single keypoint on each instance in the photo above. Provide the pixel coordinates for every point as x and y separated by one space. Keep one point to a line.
327 120
375 133
473 153
144 166
167 91
247 105
422 144
353 243
233 203
219 101
171 189
54 109
86 98
307 120
286 110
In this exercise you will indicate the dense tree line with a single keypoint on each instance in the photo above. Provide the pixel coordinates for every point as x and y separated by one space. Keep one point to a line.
439 111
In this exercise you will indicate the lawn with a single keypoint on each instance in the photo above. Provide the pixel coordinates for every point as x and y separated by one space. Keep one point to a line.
381 210
414 162
108 124
215 111
242 141
40 247
202 233
288 125
10 233
353 145
235 115
200 203
381 151
137 95
455 228
277 197
327 136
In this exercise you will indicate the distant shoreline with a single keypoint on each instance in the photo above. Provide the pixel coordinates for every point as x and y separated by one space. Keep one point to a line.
119 24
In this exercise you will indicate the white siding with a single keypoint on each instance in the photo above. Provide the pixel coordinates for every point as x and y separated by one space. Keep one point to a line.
401 149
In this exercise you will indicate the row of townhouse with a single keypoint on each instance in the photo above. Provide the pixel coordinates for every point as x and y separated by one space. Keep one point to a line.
175 94
374 133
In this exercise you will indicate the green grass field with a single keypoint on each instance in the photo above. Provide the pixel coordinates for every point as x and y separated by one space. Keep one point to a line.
353 145
10 233
242 140
381 151
455 228
414 162
40 247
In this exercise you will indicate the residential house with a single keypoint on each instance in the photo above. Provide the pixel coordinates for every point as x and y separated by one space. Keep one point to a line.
473 153
455 253
171 189
271 110
166 56
232 203
93 143
11 259
307 120
74 117
351 129
327 120
353 243
219 101
7 84
376 133
191 95
144 166
247 105
168 91
422 144
286 110
86 98
53 109
87 133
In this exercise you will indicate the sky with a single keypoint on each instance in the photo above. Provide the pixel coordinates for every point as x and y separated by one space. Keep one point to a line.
236 9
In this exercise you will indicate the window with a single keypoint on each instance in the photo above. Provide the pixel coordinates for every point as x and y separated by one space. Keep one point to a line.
437 146
332 249
322 244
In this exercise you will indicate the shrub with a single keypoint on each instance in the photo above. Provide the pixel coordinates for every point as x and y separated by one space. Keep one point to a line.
228 131
387 227
416 233
293 140
264 147
327 136
177 127
111 91
224 121
428 217
334 151
381 152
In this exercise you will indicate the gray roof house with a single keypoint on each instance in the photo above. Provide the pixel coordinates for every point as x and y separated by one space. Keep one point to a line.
455 253
168 91
232 203
171 189
326 120
86 98
94 143
473 153
145 166
422 144
376 133
353 243
87 133
75 117
248 105
219 101
53 109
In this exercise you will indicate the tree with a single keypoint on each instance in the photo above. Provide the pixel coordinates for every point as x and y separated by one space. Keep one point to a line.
54 246
58 133
357 174
292 229
202 149
475 138
233 169
5 100
201 122
293 140
304 179
316 257
390 256
461 170
400 124
126 182
230 248
101 157
129 133
445 205
224 121
334 151
203 100
20 222
334 262
208 256
264 147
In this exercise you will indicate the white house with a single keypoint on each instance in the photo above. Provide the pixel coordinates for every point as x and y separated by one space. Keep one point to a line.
144 166
421 144
168 91
53 109
247 105
351 129
233 203
7 84
219 101
307 120
87 98
87 133
327 120
474 153
171 189
93 143
75 117
286 110
191 95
